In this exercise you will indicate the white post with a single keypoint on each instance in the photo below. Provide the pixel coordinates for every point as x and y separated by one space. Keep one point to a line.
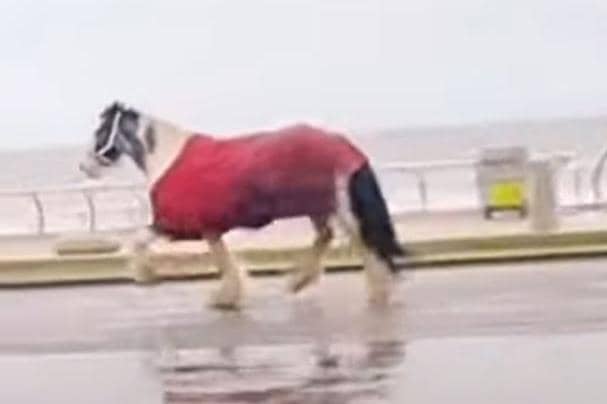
542 206
40 212
597 175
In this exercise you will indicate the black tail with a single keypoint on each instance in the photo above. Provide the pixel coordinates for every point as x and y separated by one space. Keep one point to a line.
369 207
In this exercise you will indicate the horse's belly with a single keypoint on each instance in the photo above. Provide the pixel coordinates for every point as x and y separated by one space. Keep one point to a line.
191 211
289 197
179 221
304 203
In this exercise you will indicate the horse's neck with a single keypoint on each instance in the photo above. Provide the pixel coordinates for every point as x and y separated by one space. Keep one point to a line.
169 143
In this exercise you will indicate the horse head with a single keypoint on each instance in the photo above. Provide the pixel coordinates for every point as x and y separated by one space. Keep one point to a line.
121 131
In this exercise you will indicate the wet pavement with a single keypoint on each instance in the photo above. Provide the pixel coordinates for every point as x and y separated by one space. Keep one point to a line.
505 334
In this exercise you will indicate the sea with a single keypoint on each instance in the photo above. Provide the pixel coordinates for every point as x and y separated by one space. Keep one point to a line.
447 187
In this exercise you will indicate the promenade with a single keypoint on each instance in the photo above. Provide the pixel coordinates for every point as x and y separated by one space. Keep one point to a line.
508 334
437 238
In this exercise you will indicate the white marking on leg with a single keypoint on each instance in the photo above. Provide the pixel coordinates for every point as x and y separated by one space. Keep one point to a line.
309 270
379 278
233 278
345 217
140 265
377 273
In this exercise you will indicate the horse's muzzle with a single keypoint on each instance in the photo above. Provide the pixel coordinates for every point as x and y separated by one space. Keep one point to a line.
90 167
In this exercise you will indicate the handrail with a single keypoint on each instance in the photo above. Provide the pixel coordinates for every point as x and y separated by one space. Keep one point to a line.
429 166
72 188
420 169
89 190
564 157
397 166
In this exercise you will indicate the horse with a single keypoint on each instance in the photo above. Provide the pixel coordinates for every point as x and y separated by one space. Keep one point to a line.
202 186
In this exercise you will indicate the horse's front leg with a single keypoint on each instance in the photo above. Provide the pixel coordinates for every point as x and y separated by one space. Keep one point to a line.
310 268
140 265
230 295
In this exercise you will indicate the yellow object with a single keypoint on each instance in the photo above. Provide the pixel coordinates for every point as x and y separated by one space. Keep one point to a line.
510 194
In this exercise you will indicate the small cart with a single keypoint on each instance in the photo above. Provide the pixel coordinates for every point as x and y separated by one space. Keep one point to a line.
501 178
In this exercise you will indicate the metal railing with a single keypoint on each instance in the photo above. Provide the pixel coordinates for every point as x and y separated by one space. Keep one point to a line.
88 193
564 161
419 171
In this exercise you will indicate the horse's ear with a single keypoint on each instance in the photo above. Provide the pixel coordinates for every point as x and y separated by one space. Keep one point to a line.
112 109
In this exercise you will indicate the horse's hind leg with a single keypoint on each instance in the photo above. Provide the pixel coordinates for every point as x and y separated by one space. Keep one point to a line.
377 270
233 279
309 269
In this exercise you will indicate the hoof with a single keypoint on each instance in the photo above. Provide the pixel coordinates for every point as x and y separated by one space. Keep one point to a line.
380 295
225 305
379 299
302 279
226 301
145 275
402 276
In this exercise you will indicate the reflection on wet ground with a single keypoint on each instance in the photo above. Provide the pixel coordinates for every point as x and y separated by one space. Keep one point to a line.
511 334
289 374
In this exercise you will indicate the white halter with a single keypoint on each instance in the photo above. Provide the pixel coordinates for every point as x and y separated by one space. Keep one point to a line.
111 138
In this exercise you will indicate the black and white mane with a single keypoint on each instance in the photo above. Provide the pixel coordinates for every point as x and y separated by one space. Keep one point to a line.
122 131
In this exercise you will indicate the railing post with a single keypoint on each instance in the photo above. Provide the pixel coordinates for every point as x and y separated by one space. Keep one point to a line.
422 189
577 183
596 177
40 211
542 210
88 196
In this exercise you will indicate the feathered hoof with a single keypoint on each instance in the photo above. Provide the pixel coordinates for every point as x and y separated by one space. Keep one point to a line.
144 274
380 292
379 299
226 301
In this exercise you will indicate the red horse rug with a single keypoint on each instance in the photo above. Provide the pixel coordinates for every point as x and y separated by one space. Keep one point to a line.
216 185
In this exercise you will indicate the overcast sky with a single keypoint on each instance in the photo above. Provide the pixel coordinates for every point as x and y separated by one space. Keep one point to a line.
227 65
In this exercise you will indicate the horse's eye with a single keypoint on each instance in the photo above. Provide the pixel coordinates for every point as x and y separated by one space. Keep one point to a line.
110 155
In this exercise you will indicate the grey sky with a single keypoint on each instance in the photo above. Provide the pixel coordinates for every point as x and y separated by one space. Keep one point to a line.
228 65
